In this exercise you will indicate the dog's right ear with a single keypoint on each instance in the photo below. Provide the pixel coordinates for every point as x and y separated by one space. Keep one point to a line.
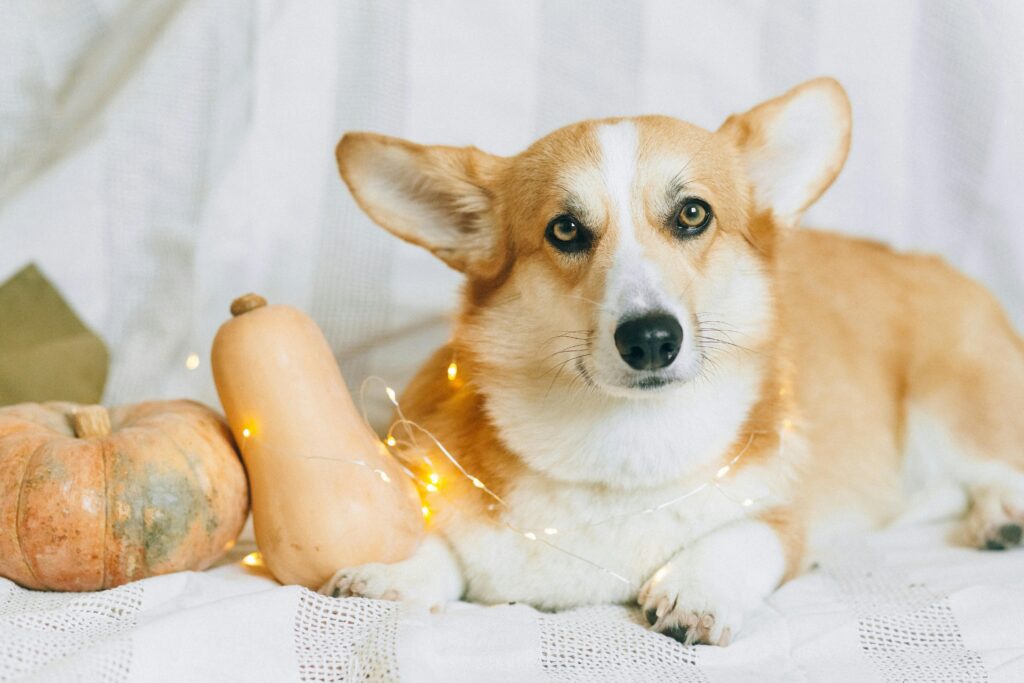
793 146
441 198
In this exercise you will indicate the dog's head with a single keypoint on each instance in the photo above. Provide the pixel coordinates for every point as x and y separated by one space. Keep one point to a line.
620 253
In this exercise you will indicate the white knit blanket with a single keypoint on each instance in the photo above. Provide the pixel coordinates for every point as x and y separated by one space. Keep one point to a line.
894 606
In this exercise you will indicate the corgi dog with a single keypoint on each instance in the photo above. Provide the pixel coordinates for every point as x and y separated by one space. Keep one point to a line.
660 389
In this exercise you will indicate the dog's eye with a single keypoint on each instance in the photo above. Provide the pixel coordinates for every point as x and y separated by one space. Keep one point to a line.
693 217
565 230
568 235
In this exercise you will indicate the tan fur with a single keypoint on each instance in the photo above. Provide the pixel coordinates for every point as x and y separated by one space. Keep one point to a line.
872 330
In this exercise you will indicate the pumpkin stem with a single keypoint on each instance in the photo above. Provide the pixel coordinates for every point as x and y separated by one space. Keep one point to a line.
90 421
246 303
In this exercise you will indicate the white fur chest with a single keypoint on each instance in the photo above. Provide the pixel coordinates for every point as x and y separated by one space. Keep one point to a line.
586 437
602 525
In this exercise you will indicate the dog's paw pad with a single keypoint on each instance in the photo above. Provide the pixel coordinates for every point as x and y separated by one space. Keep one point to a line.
1003 537
676 633
678 605
1010 533
693 628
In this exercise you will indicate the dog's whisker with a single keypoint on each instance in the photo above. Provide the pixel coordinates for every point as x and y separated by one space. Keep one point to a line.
709 316
714 341
570 334
561 367
575 348
570 349
600 306
558 366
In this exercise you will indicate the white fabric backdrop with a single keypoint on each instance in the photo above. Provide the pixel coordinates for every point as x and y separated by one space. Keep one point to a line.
158 157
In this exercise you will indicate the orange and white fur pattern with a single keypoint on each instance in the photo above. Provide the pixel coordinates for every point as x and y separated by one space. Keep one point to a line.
640 310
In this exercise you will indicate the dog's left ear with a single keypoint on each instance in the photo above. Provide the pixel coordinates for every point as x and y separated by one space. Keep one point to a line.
793 146
440 198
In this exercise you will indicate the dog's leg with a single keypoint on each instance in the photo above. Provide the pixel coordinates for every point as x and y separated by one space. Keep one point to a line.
702 594
967 394
430 578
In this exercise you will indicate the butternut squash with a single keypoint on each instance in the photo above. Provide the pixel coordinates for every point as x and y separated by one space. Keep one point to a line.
325 492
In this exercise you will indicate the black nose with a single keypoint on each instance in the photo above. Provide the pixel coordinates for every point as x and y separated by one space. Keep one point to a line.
649 343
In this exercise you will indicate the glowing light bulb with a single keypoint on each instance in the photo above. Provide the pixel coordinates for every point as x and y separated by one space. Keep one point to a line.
722 472
551 531
192 362
530 535
453 371
246 433
391 395
253 560
477 483
390 441
383 475
426 511
431 488
434 478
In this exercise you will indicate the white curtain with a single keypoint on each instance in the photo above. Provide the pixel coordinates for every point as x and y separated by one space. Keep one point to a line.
159 157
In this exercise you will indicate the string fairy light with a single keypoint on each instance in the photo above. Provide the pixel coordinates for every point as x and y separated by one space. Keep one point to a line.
431 485
253 559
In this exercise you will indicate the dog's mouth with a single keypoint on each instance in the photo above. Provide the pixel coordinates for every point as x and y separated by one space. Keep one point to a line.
651 383
654 382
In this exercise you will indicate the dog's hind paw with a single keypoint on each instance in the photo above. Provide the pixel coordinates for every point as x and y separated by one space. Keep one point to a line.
995 520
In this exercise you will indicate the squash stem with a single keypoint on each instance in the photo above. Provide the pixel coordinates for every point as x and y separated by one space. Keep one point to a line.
246 303
90 421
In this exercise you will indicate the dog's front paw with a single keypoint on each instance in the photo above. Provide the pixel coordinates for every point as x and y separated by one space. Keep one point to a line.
430 578
377 581
690 608
704 593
